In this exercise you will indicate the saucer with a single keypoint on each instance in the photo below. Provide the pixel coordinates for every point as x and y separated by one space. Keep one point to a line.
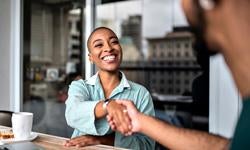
32 136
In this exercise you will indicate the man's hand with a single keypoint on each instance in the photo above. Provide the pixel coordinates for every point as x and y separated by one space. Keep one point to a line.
119 116
133 114
87 140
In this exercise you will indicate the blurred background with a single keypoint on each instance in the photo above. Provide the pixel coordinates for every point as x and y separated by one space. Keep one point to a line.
43 48
158 53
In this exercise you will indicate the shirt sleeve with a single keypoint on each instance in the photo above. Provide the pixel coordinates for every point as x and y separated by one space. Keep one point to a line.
79 111
139 141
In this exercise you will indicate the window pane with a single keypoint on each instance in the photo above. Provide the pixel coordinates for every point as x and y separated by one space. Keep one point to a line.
52 59
156 42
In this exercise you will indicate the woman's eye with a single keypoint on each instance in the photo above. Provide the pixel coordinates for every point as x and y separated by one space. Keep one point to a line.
98 45
115 42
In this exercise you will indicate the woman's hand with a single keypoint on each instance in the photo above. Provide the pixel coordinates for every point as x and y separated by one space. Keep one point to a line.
86 140
119 116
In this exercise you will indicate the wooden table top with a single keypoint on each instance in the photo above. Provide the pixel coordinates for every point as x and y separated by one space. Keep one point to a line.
52 142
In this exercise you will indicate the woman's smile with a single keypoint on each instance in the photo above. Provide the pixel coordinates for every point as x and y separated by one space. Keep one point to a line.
109 58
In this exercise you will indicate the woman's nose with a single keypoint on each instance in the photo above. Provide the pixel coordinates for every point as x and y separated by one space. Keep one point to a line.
107 47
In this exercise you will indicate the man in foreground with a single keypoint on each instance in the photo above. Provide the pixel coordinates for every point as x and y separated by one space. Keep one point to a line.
225 26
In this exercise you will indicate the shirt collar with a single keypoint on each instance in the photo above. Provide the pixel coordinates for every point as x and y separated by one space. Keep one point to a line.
92 80
95 78
124 82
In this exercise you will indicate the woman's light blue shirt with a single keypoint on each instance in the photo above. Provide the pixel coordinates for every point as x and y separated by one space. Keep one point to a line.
83 95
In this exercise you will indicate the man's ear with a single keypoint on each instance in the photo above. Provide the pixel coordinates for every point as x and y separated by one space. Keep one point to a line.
209 4
190 10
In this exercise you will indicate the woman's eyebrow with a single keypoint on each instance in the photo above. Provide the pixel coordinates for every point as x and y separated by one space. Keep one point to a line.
96 41
113 37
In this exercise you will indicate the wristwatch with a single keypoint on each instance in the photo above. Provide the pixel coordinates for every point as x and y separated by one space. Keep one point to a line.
105 104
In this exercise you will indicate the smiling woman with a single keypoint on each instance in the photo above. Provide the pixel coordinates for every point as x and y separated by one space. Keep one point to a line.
89 101
104 49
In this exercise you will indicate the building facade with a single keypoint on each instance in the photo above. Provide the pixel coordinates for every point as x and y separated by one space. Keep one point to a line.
175 58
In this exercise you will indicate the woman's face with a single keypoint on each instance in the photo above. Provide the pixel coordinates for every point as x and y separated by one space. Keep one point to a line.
105 50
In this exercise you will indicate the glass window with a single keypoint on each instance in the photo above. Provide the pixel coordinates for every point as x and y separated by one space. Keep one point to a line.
52 59
53 52
178 54
162 54
139 36
161 46
170 81
178 45
162 81
177 81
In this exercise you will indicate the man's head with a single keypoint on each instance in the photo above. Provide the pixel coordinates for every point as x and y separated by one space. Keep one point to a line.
219 22
224 25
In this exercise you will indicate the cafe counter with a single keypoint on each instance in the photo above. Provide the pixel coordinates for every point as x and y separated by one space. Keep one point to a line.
52 142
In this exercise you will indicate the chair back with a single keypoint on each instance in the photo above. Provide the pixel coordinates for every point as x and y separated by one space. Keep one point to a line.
5 118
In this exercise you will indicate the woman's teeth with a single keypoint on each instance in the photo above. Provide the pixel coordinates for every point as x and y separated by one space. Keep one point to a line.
111 57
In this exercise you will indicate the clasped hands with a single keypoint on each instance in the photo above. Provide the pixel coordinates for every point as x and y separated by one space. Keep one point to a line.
123 117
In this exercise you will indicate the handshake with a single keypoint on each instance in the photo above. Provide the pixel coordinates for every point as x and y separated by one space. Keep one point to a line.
123 117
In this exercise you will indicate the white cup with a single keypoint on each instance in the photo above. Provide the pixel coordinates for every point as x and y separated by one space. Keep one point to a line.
22 124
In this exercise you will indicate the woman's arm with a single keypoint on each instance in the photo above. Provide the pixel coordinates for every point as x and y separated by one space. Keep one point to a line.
116 111
80 113
88 116
86 140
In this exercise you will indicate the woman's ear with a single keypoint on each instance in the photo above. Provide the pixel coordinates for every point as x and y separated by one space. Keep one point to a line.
90 58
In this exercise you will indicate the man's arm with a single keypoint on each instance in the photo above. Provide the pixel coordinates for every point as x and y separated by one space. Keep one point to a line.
179 138
171 136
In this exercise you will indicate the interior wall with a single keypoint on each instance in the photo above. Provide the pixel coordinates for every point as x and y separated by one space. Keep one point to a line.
5 34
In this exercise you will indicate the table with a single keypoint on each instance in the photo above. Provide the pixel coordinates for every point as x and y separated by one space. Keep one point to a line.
52 142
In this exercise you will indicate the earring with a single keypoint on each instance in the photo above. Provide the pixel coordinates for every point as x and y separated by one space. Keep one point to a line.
207 4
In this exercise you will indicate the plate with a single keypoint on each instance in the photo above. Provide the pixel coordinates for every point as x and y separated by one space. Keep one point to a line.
33 135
